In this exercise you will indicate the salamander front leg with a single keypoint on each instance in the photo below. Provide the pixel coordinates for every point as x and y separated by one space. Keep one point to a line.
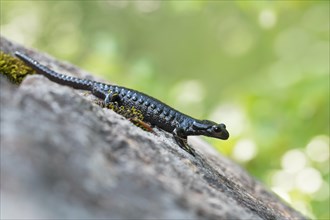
181 140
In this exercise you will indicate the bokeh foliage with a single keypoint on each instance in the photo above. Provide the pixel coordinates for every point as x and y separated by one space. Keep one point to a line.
261 67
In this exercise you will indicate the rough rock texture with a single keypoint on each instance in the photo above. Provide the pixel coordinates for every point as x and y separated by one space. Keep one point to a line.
64 157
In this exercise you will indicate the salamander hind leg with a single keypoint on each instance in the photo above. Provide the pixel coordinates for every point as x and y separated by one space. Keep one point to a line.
111 97
181 140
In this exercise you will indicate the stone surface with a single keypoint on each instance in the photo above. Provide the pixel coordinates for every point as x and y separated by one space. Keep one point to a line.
62 156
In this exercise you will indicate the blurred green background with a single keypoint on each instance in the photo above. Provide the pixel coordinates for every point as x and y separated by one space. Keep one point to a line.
260 67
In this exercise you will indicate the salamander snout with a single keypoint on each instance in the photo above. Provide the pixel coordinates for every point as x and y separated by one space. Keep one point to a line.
220 131
210 129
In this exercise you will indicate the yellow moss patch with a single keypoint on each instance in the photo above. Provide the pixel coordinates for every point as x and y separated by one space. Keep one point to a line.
135 116
131 112
13 68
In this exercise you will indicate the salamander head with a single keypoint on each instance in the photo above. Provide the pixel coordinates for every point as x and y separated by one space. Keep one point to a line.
211 129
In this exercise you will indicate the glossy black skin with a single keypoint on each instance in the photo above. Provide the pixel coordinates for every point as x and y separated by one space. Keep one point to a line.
154 111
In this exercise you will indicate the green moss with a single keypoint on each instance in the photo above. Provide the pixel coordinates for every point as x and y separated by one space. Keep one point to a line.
127 112
135 116
13 68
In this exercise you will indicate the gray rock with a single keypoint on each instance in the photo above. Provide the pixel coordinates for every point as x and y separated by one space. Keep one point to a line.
62 156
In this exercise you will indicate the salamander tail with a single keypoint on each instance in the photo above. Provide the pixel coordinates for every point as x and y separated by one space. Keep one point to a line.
74 82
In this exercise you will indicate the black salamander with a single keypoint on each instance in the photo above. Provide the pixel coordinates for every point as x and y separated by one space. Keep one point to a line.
154 111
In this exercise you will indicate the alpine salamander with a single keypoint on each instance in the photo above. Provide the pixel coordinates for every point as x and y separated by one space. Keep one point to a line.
155 112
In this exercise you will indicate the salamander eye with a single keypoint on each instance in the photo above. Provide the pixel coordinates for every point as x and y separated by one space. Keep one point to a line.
216 129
